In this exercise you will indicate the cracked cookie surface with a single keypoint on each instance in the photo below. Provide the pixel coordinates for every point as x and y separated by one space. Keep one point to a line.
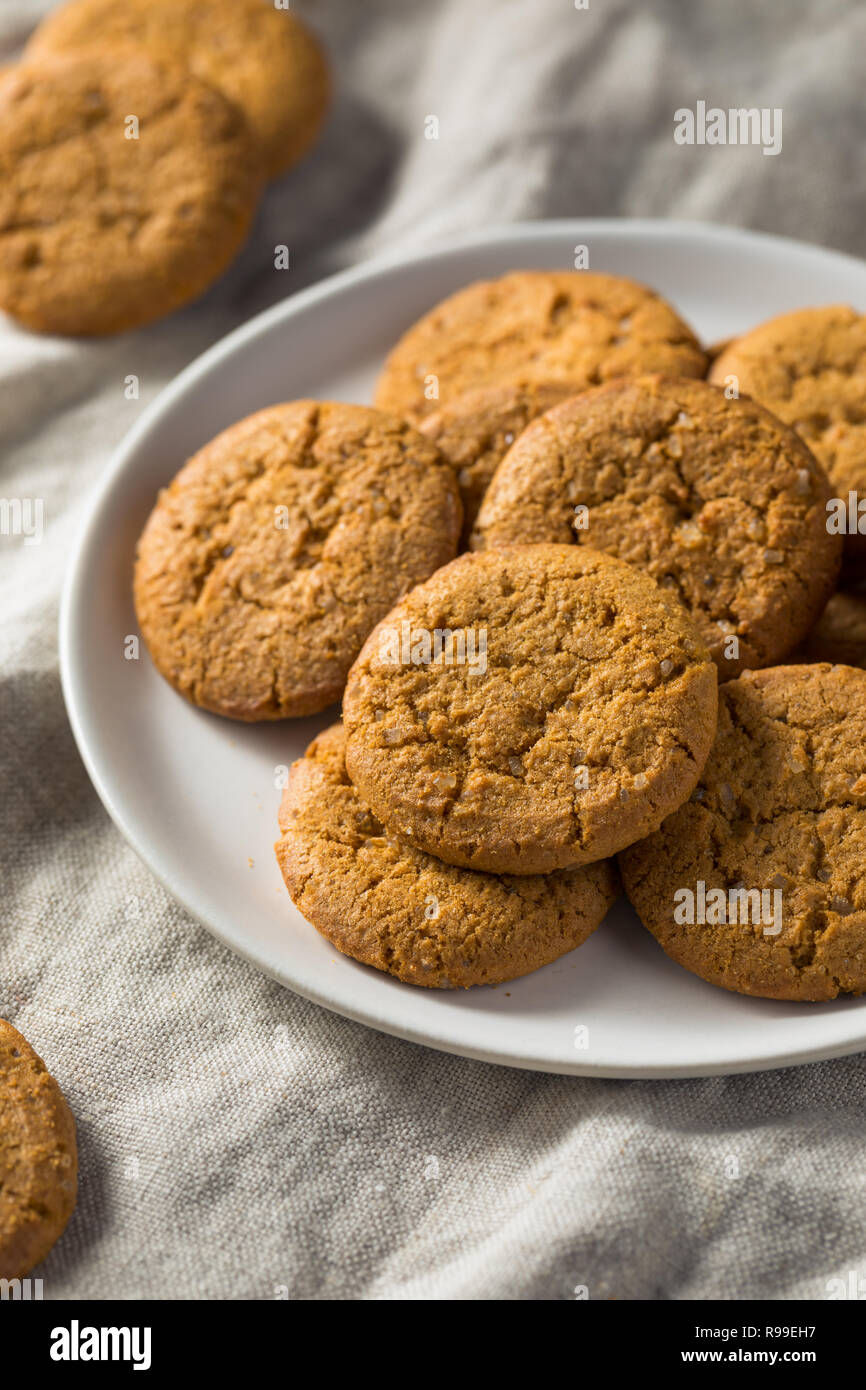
535 326
99 232
809 369
781 806
407 913
38 1157
588 724
476 430
269 558
263 59
714 498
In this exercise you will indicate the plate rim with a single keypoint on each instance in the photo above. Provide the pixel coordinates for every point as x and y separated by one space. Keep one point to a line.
226 347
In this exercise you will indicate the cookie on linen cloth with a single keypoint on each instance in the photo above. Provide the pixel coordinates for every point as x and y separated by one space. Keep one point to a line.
777 831
529 709
278 547
534 326
404 912
38 1157
264 59
100 233
716 499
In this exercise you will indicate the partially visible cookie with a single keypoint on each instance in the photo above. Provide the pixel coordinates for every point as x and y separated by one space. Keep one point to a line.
839 636
809 368
264 59
277 548
758 883
534 326
476 430
529 709
126 188
402 911
714 498
38 1157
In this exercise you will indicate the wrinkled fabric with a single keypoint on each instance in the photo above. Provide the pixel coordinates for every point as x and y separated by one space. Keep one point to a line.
237 1141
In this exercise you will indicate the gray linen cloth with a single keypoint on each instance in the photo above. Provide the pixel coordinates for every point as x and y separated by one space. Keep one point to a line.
249 1144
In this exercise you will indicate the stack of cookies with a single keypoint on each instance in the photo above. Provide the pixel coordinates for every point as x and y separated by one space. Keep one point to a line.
559 579
135 141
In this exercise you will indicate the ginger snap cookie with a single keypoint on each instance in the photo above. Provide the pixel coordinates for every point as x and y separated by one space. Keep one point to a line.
265 60
126 188
277 548
38 1157
407 913
839 636
809 368
534 326
758 883
476 430
714 498
529 709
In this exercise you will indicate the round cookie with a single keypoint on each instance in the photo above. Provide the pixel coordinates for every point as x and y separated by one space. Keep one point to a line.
38 1157
809 368
781 809
405 912
279 545
529 709
100 232
263 59
476 430
714 498
839 636
534 326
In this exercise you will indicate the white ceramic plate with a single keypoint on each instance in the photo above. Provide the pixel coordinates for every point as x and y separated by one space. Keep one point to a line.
196 796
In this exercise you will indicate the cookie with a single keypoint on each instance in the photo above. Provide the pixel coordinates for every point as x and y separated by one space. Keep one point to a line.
38 1157
277 548
529 709
100 232
714 498
262 58
809 368
839 636
535 326
758 883
407 913
476 430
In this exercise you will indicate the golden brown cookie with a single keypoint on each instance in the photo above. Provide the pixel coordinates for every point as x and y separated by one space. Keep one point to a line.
714 498
839 636
279 545
758 883
265 60
476 430
100 232
535 326
38 1157
529 709
393 907
809 368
